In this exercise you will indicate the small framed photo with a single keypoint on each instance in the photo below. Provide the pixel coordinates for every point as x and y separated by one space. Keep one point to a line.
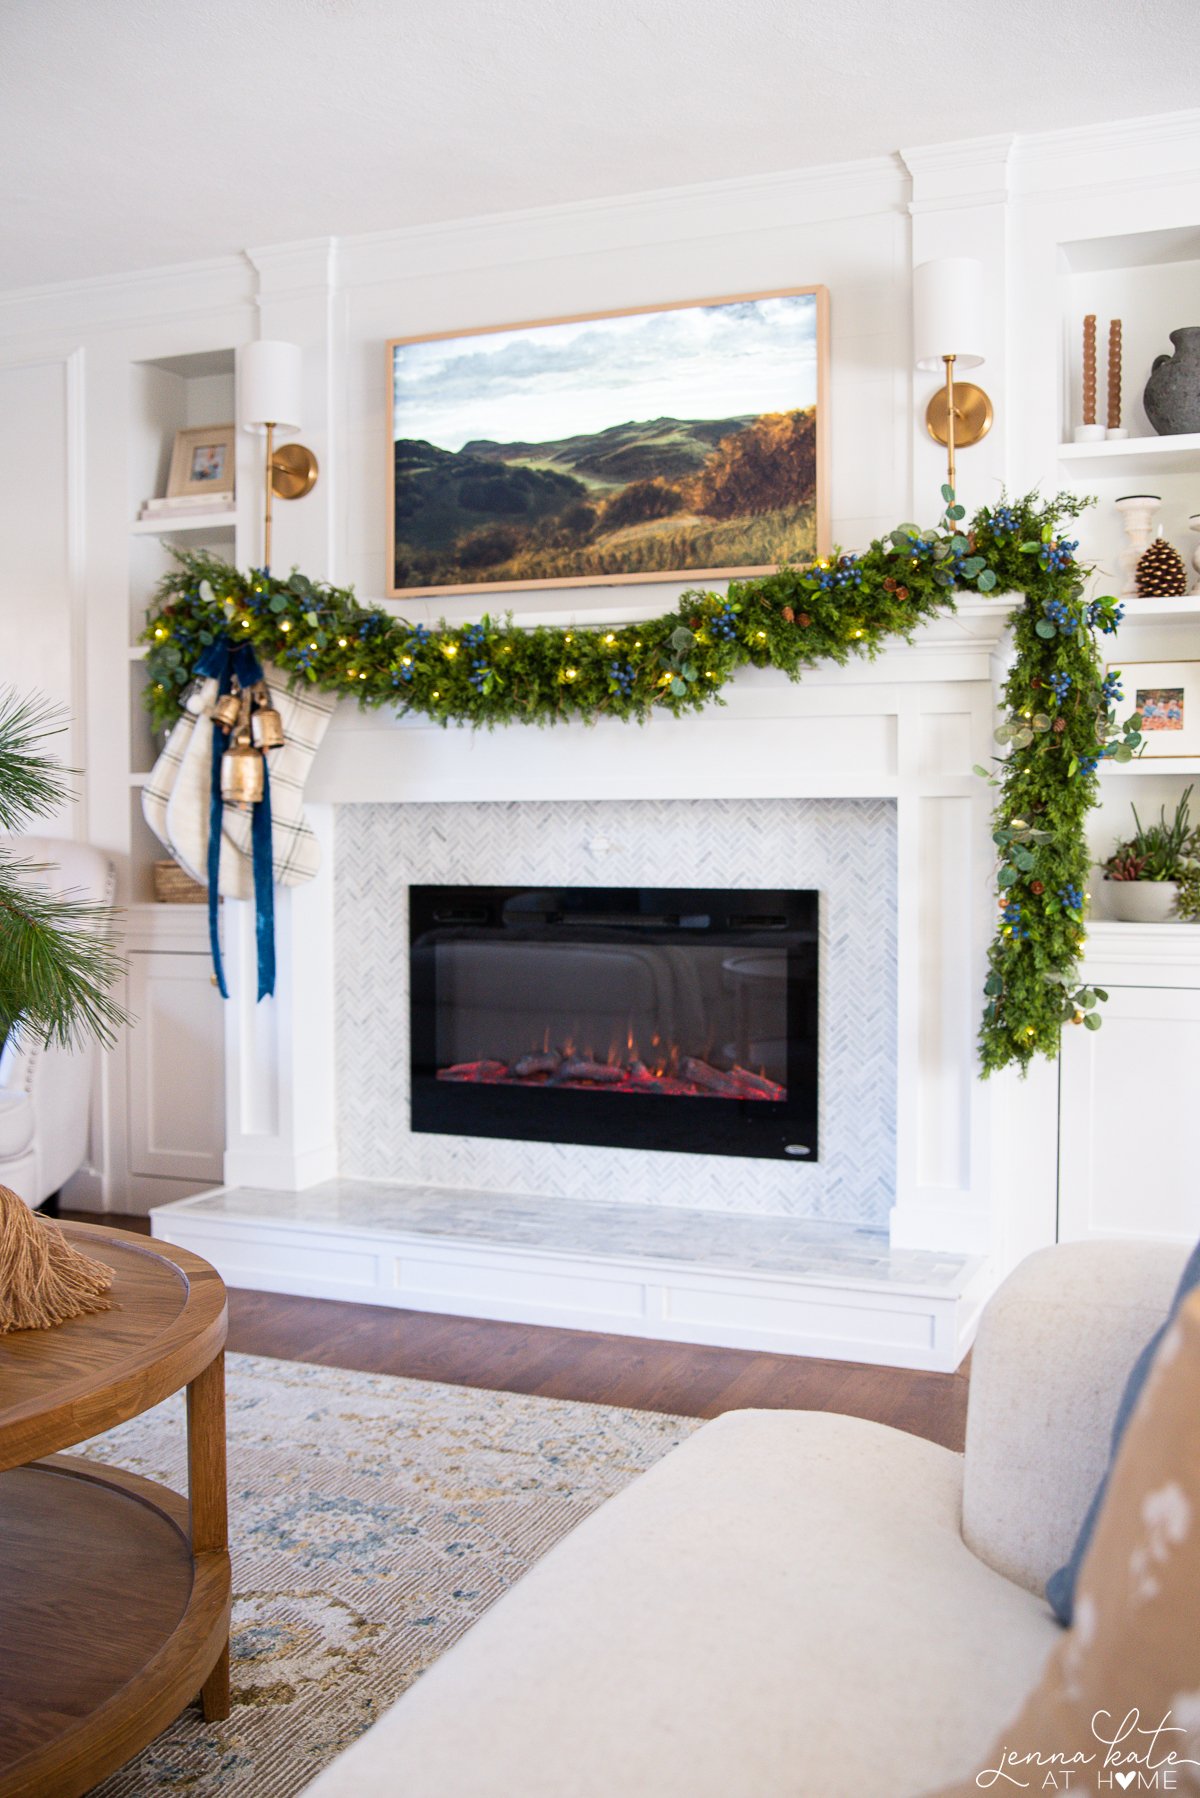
202 461
1167 694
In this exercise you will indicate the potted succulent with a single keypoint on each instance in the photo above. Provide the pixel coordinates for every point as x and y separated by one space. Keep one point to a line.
1145 871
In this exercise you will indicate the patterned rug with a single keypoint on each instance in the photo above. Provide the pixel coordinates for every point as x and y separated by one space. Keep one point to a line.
373 1520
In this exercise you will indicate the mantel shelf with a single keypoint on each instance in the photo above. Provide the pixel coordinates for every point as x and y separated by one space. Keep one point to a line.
1131 455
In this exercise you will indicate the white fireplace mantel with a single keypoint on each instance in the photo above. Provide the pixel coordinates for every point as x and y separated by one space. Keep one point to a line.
908 726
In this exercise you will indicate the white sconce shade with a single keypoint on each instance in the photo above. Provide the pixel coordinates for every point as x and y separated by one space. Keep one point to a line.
948 312
270 384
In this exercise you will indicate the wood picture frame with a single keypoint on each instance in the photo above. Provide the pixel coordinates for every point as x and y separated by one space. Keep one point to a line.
715 480
203 461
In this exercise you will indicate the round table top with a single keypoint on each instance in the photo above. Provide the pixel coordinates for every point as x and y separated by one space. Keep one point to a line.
60 1386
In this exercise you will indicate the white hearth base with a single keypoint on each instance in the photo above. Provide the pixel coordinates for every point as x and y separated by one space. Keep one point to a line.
728 1280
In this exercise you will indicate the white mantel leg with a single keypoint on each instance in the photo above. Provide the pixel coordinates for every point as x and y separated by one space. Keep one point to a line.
279 1053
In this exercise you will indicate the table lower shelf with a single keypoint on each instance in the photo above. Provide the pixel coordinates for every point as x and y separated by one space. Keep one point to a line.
110 1624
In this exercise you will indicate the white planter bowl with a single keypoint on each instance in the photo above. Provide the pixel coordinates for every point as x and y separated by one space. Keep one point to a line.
1142 901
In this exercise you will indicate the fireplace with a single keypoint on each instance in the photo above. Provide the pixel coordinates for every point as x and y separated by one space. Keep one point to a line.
671 1018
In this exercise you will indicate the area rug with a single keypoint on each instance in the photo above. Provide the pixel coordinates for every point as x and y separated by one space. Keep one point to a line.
373 1520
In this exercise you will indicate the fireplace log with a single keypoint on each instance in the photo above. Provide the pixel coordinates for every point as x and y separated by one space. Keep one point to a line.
758 1083
700 1073
599 1072
547 1061
474 1070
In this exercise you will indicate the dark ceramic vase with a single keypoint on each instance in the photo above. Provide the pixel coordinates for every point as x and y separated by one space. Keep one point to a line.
1172 396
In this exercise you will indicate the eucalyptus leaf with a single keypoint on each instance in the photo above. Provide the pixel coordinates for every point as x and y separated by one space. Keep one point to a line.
1045 629
1093 1021
986 581
678 687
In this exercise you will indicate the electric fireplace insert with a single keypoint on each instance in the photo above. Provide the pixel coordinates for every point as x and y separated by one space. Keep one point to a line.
632 1017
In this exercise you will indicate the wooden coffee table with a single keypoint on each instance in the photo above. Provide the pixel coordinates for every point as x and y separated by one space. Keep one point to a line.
114 1593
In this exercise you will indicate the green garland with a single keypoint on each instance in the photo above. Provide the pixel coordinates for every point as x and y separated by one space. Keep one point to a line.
1060 710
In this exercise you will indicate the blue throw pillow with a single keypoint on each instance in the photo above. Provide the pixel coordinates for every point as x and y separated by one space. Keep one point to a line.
1060 1587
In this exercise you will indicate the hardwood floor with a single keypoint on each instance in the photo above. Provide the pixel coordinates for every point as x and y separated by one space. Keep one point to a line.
578 1364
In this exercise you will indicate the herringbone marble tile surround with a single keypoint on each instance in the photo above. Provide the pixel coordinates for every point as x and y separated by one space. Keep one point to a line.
846 848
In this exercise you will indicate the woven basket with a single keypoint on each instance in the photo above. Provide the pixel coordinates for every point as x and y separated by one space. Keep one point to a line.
172 886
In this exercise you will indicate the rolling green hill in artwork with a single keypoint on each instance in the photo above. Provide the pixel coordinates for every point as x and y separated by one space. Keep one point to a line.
647 496
657 449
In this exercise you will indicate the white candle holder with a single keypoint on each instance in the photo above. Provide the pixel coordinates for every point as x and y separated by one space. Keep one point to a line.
1138 511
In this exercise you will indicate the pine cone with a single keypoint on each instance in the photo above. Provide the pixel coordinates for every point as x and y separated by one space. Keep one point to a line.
1160 572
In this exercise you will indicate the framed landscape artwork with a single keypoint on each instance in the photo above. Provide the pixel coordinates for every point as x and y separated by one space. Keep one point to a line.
682 443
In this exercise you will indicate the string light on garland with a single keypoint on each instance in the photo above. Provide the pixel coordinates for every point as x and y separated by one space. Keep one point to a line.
1059 718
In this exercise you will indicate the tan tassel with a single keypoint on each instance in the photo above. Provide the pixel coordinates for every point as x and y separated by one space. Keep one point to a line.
43 1279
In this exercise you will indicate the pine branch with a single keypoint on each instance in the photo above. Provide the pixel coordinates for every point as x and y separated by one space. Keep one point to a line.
31 784
58 955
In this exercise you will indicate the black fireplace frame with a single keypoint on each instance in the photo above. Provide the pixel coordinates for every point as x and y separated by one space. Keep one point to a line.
718 1126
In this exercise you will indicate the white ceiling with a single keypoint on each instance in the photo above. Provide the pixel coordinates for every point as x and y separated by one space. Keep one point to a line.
139 132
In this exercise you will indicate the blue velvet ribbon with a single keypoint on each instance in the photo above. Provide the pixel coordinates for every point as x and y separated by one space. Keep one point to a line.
222 661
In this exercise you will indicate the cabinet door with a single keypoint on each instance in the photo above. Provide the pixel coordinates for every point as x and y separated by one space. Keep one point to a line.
176 1068
1129 1109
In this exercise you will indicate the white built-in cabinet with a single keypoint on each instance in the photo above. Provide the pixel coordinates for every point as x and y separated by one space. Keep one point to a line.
174 1057
1129 1093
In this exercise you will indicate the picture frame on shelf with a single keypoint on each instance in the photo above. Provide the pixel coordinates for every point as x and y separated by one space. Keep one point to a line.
203 462
679 442
1167 695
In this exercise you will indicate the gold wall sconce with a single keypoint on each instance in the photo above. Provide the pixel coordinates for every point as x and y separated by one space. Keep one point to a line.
270 385
948 334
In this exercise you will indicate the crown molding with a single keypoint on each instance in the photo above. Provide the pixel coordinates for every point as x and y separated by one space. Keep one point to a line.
964 172
295 270
783 200
112 302
1162 147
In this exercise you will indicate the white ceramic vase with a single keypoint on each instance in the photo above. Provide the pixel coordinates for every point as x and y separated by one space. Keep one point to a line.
1142 901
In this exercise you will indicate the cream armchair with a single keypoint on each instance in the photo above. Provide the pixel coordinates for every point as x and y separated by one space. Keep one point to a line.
45 1092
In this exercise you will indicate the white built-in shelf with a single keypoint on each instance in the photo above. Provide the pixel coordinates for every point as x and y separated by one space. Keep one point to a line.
168 527
138 652
1135 455
1184 610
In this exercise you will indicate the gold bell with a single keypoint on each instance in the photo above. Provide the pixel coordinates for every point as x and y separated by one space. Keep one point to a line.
227 711
266 727
242 772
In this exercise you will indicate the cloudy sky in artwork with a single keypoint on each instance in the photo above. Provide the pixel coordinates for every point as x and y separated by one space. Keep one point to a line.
550 381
